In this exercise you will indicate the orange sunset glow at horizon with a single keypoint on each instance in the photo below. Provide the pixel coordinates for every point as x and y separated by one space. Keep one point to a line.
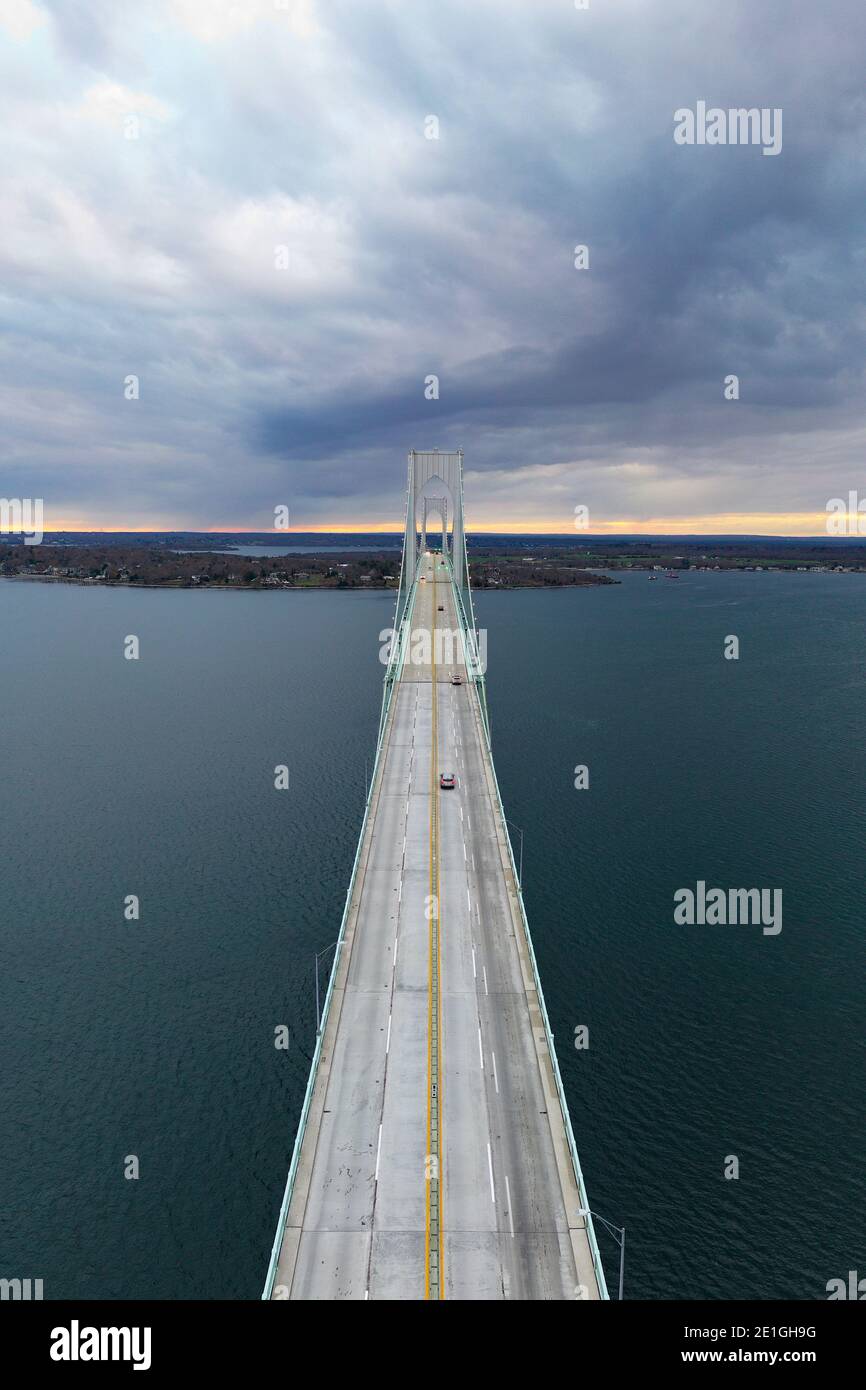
723 523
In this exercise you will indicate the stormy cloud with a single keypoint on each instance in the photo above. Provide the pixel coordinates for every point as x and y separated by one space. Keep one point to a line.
161 161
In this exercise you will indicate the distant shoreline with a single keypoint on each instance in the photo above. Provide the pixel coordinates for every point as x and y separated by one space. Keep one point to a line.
257 587
281 588
204 588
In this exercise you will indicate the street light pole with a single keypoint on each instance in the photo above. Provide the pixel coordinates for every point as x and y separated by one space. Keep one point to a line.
520 870
318 955
618 1233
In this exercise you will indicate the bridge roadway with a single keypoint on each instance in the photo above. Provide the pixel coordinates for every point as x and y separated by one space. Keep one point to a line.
362 1222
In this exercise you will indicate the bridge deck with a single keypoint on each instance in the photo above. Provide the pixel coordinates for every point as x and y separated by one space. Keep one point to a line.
359 1222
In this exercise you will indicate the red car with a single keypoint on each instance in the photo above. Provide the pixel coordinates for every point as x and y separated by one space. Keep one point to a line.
447 781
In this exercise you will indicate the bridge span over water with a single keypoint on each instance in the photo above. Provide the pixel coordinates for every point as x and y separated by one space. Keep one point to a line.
435 1156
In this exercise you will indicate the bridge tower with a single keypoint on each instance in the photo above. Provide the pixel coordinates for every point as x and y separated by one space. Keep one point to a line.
433 472
430 472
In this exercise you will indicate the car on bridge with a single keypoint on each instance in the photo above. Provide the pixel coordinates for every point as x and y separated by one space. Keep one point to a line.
456 680
442 608
447 781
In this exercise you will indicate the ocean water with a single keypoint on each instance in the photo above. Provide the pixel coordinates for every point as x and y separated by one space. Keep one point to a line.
155 1038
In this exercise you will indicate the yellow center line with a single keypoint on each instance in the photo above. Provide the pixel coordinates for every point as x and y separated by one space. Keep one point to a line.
434 1235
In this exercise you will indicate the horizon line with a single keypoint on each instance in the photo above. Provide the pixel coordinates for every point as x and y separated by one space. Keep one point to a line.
796 525
611 531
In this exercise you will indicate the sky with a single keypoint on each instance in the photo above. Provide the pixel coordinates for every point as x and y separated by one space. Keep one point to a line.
284 217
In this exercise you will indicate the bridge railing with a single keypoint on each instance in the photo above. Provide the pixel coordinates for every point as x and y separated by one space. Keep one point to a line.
469 638
400 640
397 657
548 1032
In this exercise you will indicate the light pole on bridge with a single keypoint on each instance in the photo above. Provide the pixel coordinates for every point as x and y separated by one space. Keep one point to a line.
520 870
618 1233
319 954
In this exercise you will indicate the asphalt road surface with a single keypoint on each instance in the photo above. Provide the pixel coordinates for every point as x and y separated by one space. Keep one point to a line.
434 1162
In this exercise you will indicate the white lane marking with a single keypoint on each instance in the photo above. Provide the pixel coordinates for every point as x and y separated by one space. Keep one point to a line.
461 812
468 900
388 1039
490 1166
484 973
480 1050
469 819
495 1077
404 839
366 1294
508 1199
474 870
464 852
474 972
400 892
378 1150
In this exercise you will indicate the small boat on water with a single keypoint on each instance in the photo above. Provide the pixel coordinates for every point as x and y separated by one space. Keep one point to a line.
670 575
653 578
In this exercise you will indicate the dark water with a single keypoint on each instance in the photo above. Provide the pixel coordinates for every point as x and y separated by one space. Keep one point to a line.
155 1038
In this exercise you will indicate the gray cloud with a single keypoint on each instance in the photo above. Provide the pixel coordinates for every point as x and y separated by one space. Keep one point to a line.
304 128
